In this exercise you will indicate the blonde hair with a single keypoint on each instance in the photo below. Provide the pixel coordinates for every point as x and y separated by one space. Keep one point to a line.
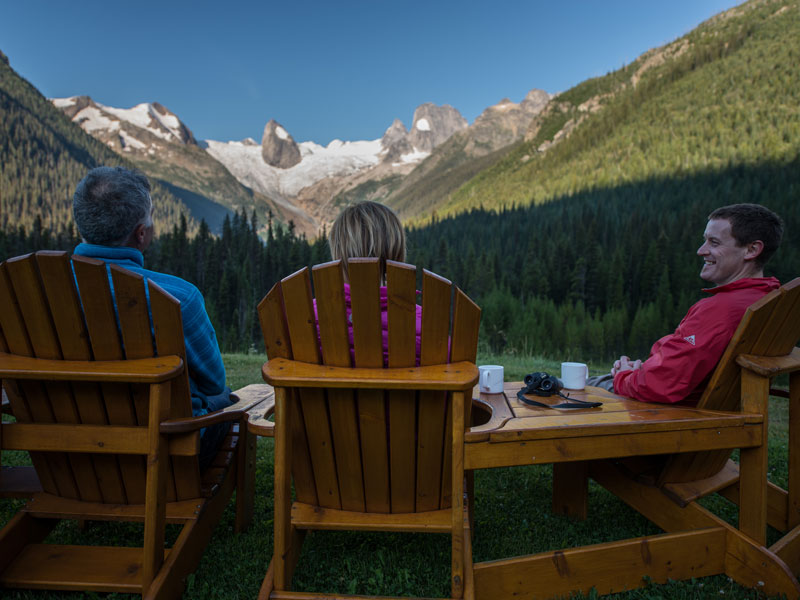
368 229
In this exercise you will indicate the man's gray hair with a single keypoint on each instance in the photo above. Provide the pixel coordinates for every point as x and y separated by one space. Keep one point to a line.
109 203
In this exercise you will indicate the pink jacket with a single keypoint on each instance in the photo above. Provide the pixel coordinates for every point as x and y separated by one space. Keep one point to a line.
681 363
384 325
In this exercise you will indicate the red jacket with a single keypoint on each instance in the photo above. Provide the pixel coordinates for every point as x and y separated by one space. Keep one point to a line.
681 363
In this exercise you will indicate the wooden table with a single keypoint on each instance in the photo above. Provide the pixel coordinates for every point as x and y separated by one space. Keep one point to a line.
519 434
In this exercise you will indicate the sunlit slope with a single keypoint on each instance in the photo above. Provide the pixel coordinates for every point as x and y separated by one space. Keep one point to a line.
726 94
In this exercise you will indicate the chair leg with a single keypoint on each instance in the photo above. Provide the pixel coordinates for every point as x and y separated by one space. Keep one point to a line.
282 540
269 582
458 504
469 573
793 487
246 478
788 549
571 489
753 462
155 491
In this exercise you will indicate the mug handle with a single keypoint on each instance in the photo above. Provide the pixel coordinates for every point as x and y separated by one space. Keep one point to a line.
482 379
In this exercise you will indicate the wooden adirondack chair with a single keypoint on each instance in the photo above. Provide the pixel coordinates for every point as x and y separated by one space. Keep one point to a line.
762 347
102 404
659 459
370 448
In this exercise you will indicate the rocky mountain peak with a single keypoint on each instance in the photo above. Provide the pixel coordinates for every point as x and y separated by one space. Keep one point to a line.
535 101
169 122
142 128
433 125
72 106
396 132
278 148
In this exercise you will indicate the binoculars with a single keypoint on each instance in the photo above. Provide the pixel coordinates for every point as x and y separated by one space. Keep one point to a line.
543 384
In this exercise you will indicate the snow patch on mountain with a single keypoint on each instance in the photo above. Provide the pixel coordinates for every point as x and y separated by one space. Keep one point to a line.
423 125
412 157
244 161
143 115
92 119
63 102
151 117
129 142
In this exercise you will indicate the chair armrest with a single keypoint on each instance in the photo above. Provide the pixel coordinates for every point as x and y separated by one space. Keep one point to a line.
770 366
139 370
282 372
260 401
259 423
189 424
250 403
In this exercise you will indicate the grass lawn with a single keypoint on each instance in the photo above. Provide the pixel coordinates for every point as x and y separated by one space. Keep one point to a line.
512 517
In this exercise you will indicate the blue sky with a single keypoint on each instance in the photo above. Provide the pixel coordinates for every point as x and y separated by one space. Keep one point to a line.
324 69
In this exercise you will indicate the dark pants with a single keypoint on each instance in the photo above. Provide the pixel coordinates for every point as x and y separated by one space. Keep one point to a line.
602 381
212 437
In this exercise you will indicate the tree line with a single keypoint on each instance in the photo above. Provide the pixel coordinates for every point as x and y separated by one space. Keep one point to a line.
586 276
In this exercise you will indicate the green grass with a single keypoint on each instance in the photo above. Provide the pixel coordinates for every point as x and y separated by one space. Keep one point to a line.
512 517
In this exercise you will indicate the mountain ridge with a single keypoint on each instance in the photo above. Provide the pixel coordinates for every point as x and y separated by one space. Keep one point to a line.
43 155
157 141
722 94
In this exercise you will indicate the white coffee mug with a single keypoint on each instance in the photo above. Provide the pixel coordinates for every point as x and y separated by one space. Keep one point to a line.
573 375
491 379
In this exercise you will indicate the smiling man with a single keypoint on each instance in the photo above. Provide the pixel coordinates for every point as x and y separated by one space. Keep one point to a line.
738 241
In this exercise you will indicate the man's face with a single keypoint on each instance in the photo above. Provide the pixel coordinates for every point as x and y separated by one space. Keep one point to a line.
723 259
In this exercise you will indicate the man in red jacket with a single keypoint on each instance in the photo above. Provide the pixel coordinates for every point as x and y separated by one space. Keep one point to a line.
739 239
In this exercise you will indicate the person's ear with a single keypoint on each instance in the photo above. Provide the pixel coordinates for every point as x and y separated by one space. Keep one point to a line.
138 236
753 250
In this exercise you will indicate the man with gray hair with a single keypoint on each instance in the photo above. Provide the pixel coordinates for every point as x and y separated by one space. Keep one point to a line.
113 211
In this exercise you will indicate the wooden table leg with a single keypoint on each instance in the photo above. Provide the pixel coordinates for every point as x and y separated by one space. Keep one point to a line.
571 489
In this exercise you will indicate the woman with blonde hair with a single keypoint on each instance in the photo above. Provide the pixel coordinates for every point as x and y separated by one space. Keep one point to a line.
370 230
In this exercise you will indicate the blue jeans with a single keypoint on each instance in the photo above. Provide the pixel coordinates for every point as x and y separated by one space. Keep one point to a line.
602 381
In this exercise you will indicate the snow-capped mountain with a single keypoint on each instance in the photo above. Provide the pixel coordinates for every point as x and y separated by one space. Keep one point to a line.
280 166
245 161
113 125
155 140
301 181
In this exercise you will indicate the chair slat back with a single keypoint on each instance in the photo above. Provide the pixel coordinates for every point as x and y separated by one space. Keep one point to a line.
56 308
401 283
369 450
365 279
769 327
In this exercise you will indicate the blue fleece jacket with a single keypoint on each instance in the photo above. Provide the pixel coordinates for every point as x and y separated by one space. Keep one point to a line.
203 359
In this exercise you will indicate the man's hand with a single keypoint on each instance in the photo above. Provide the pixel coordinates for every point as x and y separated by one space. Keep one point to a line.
625 364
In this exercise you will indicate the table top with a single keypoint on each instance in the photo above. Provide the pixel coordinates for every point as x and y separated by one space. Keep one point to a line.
515 420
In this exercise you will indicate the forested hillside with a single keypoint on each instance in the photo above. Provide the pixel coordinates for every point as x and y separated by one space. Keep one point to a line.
43 155
605 271
725 94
